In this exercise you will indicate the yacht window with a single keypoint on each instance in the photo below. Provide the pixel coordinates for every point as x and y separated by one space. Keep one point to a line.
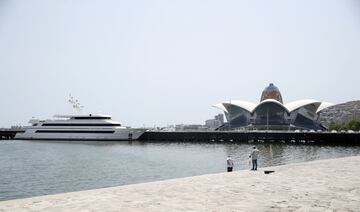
83 125
91 117
74 131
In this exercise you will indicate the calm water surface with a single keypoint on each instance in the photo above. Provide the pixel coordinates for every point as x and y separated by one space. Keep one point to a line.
33 168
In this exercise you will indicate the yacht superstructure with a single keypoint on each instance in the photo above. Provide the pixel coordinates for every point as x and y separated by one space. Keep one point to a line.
79 127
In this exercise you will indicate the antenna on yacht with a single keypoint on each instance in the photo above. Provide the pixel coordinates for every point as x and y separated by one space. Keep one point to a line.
75 104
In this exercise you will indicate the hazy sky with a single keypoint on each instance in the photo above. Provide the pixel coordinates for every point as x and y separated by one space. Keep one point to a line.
164 62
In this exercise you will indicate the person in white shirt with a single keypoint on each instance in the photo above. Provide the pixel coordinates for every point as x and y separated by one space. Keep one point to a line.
230 164
254 156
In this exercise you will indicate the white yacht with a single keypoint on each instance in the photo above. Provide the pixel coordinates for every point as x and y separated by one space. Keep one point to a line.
79 127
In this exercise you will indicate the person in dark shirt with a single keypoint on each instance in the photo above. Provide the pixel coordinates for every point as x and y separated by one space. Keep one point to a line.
230 164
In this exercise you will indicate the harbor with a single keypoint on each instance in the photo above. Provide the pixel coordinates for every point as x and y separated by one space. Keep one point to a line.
333 138
179 106
270 120
324 185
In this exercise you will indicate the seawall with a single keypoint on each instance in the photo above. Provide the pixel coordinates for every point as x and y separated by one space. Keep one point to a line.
327 138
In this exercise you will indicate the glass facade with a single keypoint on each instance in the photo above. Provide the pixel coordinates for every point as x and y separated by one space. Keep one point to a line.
269 114
237 116
273 116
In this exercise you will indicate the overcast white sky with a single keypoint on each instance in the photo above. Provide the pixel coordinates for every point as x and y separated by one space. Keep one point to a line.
164 62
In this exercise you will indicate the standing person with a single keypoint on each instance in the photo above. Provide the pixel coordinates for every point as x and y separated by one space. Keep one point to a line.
230 164
254 156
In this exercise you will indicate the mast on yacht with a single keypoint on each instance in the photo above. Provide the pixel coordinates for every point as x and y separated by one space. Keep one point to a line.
75 104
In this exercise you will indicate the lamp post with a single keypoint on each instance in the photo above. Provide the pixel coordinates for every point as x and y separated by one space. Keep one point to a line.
230 115
267 119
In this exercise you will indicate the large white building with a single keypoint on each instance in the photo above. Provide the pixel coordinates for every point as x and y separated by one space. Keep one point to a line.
271 113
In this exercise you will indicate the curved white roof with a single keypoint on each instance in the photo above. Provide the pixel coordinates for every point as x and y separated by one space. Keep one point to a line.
220 106
270 101
249 106
291 106
323 106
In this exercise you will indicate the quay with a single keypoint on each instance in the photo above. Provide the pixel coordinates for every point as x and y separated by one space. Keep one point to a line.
324 185
7 134
255 136
331 138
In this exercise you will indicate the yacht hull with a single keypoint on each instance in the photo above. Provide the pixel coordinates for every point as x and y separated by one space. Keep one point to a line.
125 134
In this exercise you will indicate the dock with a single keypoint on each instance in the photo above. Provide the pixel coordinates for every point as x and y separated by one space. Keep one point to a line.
9 133
254 136
331 138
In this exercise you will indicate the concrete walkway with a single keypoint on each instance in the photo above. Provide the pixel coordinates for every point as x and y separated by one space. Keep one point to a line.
327 185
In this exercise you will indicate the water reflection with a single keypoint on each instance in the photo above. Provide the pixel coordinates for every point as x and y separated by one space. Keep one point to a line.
274 154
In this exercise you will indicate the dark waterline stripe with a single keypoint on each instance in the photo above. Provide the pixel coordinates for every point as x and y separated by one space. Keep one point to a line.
72 131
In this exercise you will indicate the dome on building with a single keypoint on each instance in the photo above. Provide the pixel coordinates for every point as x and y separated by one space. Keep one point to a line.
271 92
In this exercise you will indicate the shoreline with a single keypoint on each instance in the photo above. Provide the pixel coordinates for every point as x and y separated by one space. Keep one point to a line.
331 184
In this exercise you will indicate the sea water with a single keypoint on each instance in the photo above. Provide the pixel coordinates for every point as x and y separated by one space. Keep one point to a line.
33 168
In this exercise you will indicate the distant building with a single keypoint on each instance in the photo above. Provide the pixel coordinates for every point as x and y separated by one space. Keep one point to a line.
189 127
216 122
220 117
272 114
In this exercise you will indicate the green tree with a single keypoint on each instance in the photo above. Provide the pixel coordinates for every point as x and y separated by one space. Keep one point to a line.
354 125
